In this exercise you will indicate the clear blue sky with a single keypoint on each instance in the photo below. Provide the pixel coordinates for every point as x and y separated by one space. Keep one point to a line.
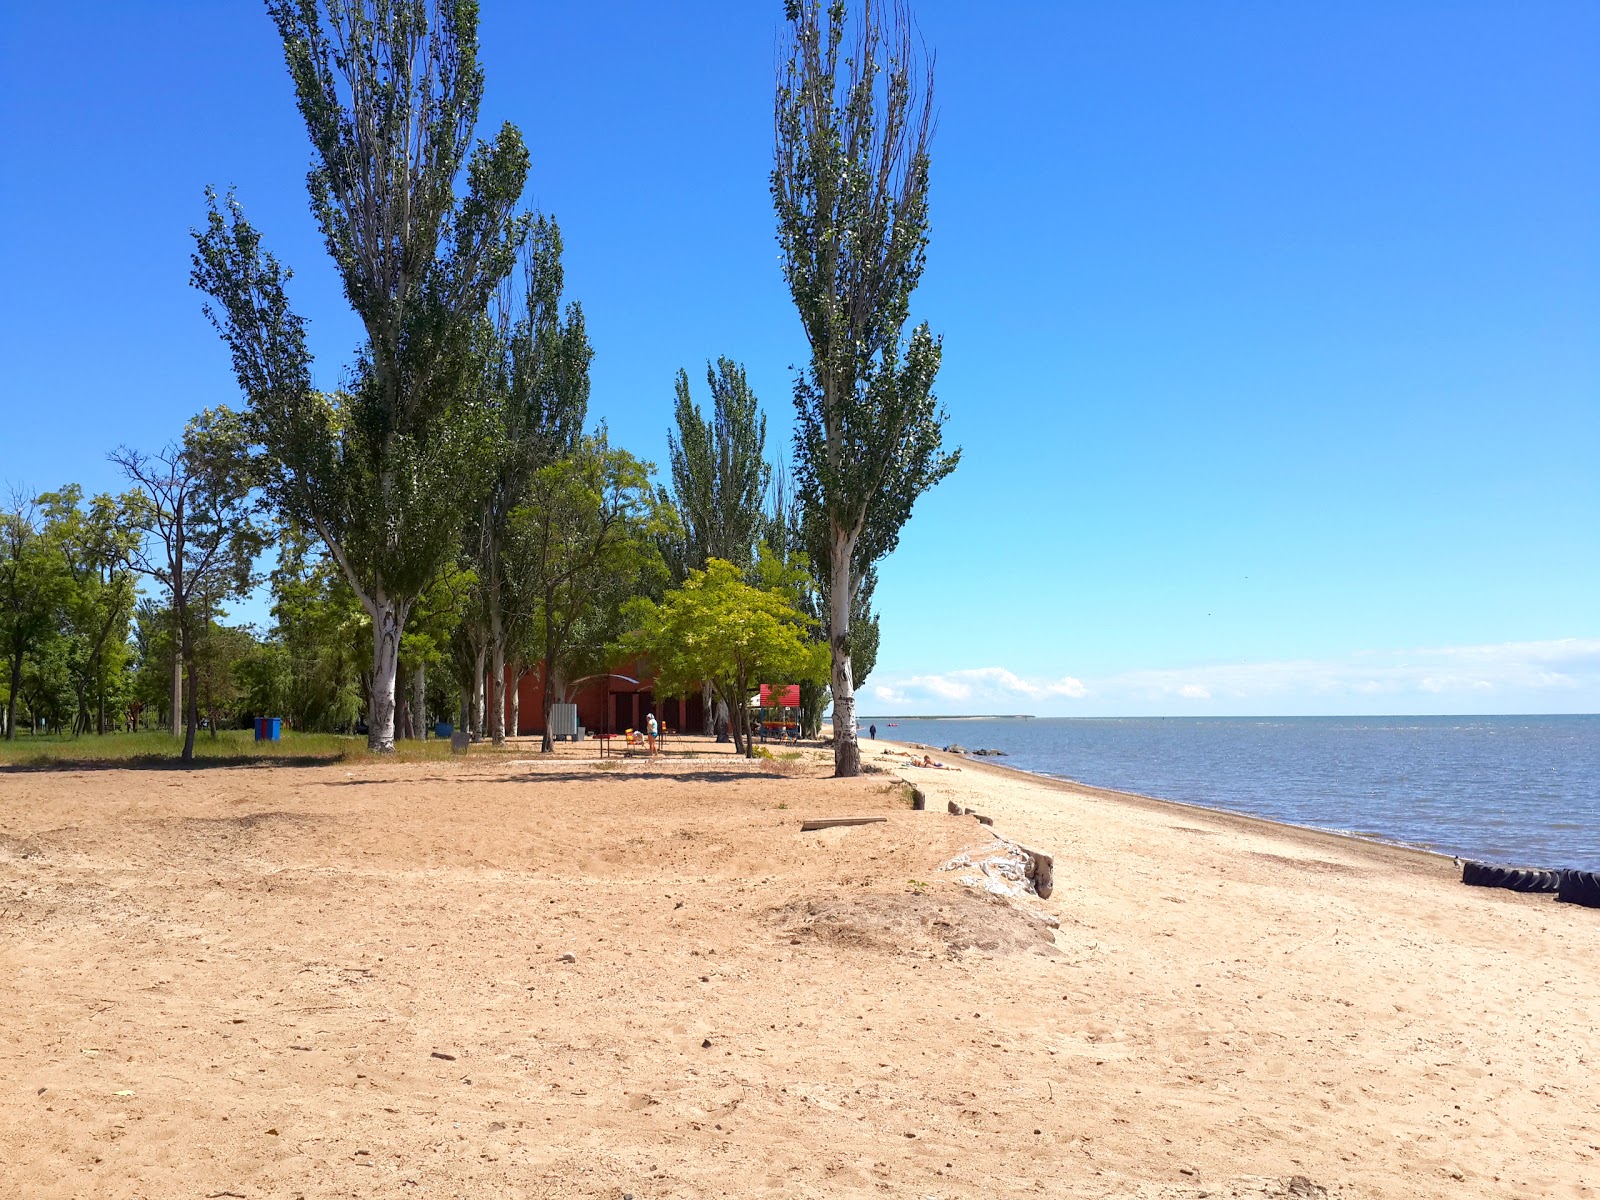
1272 331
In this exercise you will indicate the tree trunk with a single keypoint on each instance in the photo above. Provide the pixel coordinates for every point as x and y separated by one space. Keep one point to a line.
387 625
11 697
497 690
191 713
419 702
547 744
516 703
846 750
479 669
724 720
708 713
177 693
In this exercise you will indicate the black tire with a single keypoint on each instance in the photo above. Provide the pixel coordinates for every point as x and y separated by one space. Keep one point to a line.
1580 887
1516 879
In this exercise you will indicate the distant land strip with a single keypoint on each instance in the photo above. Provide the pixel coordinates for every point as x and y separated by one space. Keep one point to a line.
950 717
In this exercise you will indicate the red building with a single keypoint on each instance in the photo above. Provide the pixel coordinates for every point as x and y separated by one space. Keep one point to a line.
609 703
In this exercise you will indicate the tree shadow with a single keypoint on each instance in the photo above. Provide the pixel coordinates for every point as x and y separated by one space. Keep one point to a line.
161 762
595 774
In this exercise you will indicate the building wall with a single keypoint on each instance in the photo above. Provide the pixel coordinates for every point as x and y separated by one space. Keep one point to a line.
610 704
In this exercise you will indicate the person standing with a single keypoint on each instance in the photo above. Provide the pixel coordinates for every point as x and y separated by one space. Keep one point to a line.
651 729
872 731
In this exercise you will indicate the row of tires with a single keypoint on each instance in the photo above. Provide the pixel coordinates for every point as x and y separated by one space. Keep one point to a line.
1570 887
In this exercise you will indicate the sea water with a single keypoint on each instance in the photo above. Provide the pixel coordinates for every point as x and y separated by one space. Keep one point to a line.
1518 790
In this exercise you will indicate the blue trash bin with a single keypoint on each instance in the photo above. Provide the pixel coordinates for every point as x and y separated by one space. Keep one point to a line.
443 729
261 729
274 728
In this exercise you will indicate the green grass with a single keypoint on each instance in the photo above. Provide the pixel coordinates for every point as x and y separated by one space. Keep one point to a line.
231 747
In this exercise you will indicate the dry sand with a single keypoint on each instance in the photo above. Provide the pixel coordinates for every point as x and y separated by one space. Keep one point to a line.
349 981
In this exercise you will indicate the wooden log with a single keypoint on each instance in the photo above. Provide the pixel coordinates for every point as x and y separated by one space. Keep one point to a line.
982 820
814 823
919 799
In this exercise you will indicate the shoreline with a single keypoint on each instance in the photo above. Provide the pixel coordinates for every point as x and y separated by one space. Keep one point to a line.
1249 822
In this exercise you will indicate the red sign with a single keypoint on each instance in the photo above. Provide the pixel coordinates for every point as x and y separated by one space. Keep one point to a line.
786 696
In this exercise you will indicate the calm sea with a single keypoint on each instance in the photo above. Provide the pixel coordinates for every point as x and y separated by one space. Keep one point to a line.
1518 790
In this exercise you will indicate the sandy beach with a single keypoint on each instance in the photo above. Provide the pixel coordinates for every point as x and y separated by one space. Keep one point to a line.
507 977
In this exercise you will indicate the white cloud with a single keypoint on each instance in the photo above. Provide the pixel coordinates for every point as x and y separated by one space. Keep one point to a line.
1552 676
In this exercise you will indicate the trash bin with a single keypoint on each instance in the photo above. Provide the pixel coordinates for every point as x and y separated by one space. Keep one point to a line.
269 729
443 729
261 729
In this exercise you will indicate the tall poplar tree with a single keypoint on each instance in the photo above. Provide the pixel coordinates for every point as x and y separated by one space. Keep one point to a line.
389 91
850 188
536 382
720 479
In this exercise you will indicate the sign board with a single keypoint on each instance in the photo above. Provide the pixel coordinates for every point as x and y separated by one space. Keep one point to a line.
784 696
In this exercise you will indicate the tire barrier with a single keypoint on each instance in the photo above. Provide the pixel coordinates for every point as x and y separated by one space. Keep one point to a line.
1580 887
1516 879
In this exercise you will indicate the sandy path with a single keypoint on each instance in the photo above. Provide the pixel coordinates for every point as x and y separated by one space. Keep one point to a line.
265 962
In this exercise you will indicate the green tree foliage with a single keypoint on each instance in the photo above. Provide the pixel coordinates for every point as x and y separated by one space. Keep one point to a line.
719 627
192 517
389 91
324 634
536 384
720 474
720 479
94 543
850 186
585 543
155 649
34 585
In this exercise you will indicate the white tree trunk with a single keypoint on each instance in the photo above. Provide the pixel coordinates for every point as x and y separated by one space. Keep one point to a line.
846 750
387 623
419 702
479 671
497 692
516 704
177 695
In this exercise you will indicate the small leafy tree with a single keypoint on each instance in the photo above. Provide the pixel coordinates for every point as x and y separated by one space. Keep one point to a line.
94 543
850 188
719 627
34 584
193 515
389 92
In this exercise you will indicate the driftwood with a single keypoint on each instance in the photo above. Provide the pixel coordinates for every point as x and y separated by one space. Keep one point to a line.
830 822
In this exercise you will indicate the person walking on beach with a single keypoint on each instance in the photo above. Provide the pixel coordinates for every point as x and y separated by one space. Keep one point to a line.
650 731
872 732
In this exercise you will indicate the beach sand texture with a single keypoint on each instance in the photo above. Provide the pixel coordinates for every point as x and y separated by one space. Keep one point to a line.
349 981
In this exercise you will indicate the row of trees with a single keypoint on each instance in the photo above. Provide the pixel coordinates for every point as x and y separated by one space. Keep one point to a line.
447 492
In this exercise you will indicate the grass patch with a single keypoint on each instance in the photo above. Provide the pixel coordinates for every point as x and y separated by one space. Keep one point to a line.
230 748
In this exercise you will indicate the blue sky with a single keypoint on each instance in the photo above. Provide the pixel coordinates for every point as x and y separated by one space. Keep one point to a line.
1272 331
